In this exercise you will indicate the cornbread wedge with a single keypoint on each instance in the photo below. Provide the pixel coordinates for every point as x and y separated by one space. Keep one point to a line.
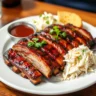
68 17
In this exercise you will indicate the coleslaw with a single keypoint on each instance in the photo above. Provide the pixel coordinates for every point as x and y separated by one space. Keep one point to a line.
44 20
79 61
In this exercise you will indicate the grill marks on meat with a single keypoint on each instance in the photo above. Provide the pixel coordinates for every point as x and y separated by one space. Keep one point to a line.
80 31
36 57
66 44
20 64
55 56
51 50
58 46
46 53
75 36
77 40
69 40
49 58
54 44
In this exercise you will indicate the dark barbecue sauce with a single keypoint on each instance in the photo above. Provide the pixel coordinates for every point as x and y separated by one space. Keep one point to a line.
22 31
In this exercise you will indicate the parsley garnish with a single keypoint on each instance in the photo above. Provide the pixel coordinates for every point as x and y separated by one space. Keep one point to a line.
79 57
35 39
45 17
35 43
43 42
55 27
56 37
83 50
63 34
38 45
47 22
58 33
51 31
30 44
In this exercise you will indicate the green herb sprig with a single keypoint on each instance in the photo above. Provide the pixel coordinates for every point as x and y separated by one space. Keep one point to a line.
79 57
83 50
35 43
47 22
58 33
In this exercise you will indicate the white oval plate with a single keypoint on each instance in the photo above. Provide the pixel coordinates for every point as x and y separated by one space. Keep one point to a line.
13 80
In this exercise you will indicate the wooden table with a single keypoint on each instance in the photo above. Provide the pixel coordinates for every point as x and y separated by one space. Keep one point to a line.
38 8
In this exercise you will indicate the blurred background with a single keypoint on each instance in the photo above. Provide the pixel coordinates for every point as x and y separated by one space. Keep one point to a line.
86 5
15 9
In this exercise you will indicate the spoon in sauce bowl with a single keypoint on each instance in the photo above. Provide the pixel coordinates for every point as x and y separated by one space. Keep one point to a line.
20 30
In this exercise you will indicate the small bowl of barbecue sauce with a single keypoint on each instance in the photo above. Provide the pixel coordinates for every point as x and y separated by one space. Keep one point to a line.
20 30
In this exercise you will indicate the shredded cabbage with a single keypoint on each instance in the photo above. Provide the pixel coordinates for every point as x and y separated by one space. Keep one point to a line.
79 61
44 20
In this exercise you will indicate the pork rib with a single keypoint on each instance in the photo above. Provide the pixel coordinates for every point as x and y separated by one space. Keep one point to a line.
38 60
80 31
20 64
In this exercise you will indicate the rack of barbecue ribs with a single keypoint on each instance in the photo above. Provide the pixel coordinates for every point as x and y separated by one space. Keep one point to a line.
42 54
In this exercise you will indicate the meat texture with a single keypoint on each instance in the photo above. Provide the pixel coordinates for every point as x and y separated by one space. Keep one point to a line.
20 64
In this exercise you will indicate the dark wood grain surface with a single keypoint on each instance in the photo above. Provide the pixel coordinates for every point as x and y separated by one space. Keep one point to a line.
30 9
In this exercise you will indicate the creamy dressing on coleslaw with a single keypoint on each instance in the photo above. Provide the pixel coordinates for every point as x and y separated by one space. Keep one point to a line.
44 20
79 61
